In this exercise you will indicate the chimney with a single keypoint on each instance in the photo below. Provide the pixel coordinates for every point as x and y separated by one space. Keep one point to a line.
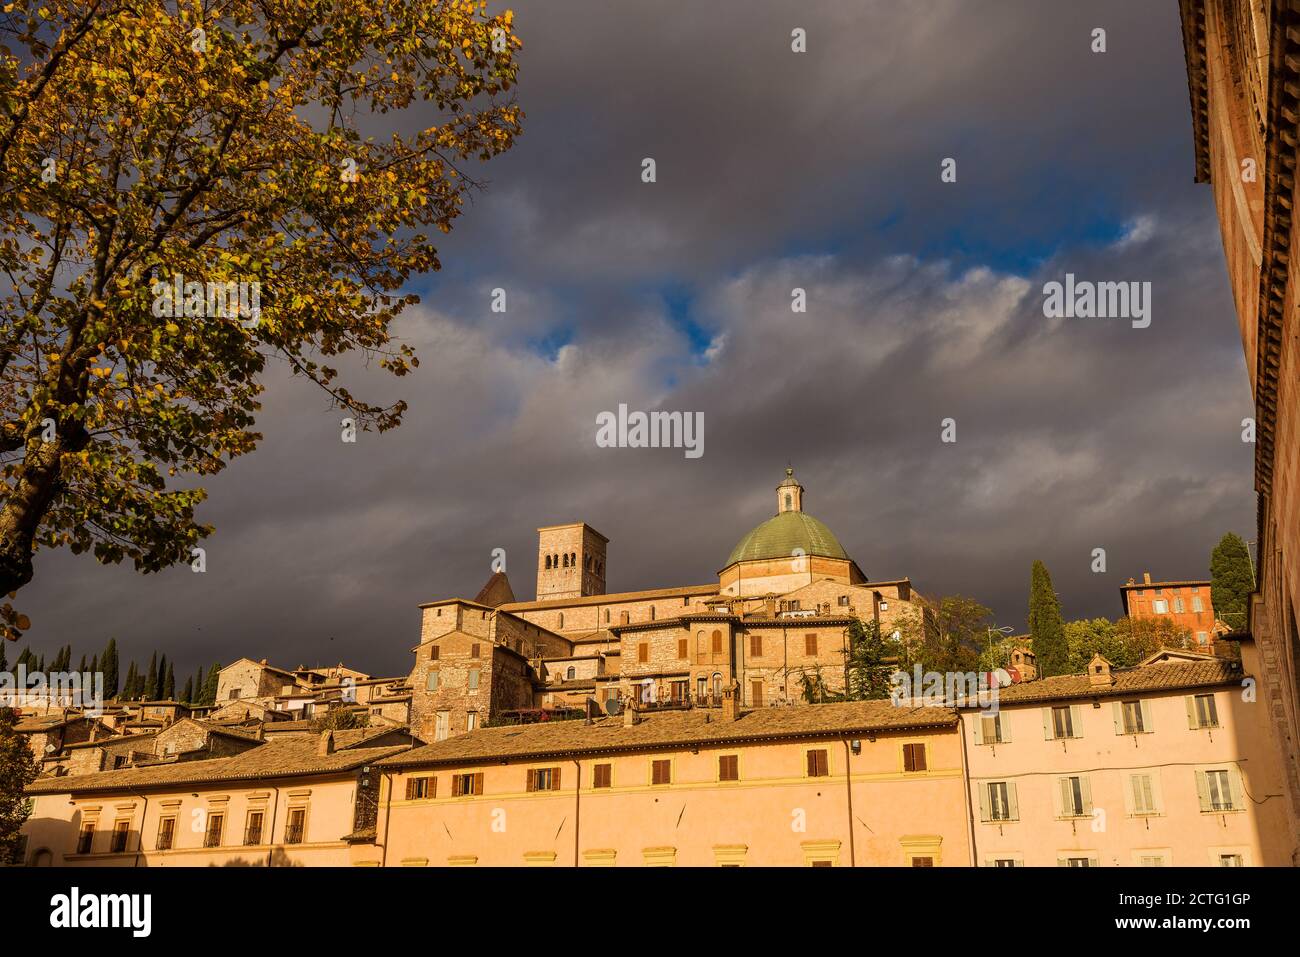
1099 672
769 607
261 730
326 745
731 701
631 716
1146 578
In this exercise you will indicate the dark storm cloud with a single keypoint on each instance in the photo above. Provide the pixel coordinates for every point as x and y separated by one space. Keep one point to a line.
775 171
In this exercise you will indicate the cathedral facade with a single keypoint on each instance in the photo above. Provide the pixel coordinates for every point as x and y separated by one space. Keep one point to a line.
775 623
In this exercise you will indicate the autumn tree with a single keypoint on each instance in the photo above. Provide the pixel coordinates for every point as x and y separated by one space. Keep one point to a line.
188 192
18 769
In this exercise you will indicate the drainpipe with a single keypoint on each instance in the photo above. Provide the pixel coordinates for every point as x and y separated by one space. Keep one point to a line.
966 786
388 812
577 808
270 835
139 844
848 790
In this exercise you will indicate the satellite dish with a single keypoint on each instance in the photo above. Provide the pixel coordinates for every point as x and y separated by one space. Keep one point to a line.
611 707
50 749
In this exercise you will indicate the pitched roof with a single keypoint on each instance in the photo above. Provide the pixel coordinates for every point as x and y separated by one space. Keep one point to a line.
1165 676
613 598
288 757
672 730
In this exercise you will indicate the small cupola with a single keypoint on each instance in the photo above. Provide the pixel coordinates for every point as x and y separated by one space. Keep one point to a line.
1099 672
789 494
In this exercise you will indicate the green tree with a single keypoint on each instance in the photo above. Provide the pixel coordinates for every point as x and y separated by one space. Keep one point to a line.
187 695
1232 579
130 689
871 661
340 719
18 769
149 686
210 686
240 160
169 684
946 636
1051 654
109 665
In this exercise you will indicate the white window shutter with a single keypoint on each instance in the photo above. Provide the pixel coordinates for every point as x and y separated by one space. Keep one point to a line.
1148 722
1004 726
1235 784
1012 803
1047 724
1063 797
979 728
1132 795
1157 800
1076 721
984 802
1094 862
1203 790
1118 711
1085 788
1191 712
1062 862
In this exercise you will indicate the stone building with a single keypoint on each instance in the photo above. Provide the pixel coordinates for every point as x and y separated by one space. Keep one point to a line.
1243 70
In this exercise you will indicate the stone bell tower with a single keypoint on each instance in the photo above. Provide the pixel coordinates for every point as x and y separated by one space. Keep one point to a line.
570 561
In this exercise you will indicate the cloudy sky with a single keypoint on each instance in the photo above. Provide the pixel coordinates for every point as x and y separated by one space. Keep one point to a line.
775 170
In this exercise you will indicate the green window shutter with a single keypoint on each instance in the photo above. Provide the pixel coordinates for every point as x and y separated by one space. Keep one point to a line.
1085 787
979 728
1076 720
1191 711
984 802
1118 711
1148 722
1203 790
1012 803
1047 724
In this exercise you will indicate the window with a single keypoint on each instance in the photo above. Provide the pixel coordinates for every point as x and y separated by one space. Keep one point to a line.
1202 712
473 679
234 694
1197 605
1133 717
755 646
998 802
756 693
717 642
566 561
1161 607
253 829
213 836
844 601
473 650
1230 860
1178 606
1062 722
471 721
884 606
571 673
1142 792
661 772
818 766
560 621
914 757
1217 791
548 561
466 785
166 833
602 776
441 726
989 729
1004 862
643 652
810 644
923 862
295 828
544 779
121 830
681 648
1076 796
729 767
433 652
1202 638
419 788
1077 862
431 681
1151 860
86 838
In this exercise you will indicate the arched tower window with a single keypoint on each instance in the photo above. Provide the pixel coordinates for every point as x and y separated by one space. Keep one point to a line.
561 620
566 561
652 612
571 673
548 561
573 559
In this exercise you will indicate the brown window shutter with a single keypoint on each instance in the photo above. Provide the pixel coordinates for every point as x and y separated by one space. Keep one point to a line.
756 646
478 783
918 750
455 785
810 644
717 642
433 787
907 758
812 764
602 778
555 778
410 789
473 650
681 647
433 653
532 780
643 652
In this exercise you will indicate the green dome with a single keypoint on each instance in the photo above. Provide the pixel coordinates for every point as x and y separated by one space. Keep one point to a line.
779 537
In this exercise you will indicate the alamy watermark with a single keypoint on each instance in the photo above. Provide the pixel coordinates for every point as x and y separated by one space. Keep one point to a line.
53 689
214 300
1083 299
651 430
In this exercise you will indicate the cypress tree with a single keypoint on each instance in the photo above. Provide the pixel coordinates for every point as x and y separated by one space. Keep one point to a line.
210 685
4 663
128 690
94 667
187 695
1231 581
169 684
109 664
81 668
150 686
198 686
1051 653
162 676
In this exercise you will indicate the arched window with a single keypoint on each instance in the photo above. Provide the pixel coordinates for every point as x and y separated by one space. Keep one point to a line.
566 561
548 561
571 673
561 625
573 559
622 618
652 612
607 616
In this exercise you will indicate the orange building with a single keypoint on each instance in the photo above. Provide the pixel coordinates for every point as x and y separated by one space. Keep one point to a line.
1186 603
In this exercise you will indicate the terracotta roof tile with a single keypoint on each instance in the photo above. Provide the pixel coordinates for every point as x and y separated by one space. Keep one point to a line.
1165 676
672 730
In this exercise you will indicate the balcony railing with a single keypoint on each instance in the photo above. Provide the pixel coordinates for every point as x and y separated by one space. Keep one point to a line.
253 836
293 834
211 839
